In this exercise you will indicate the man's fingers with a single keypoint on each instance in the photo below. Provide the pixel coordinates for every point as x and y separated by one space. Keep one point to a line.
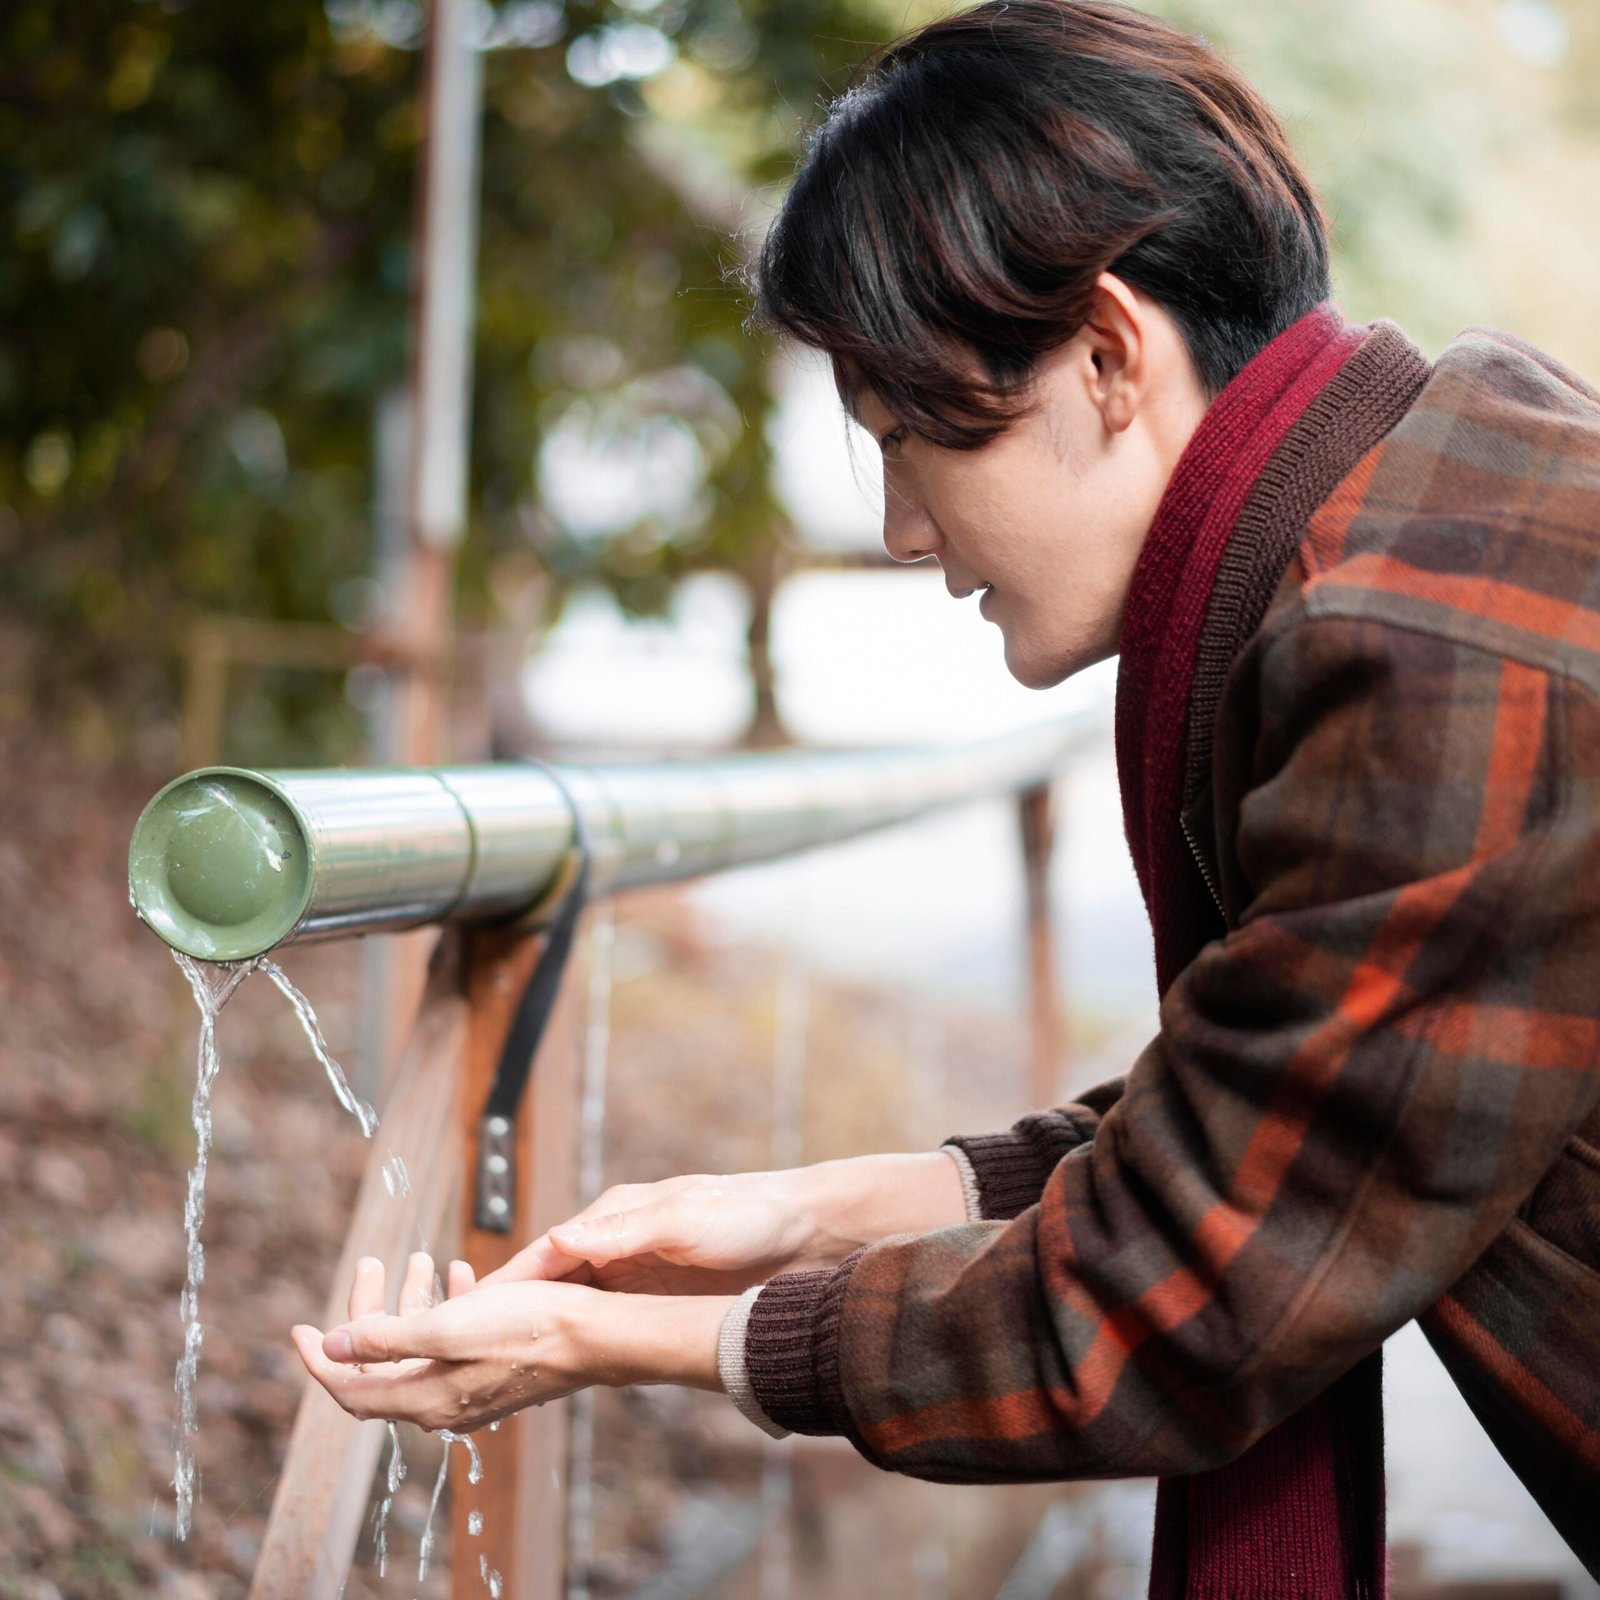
409 1394
339 1380
623 1233
391 1339
541 1259
416 1293
461 1278
366 1288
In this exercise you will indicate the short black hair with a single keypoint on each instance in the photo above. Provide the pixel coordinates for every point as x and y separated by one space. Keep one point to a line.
951 214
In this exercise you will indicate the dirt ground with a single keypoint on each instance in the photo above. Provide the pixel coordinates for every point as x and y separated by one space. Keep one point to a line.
96 1069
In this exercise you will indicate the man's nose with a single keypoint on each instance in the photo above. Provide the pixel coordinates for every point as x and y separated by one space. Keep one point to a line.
909 533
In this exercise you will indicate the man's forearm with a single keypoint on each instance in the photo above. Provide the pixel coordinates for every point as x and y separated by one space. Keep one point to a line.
867 1198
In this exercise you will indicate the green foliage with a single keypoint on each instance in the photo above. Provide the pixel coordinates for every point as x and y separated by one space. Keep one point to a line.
207 210
205 280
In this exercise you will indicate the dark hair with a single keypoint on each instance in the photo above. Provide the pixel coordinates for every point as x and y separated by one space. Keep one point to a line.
951 215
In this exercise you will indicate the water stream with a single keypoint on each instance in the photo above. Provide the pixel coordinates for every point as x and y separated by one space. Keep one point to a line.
426 1549
359 1109
392 1480
213 987
213 984
474 1475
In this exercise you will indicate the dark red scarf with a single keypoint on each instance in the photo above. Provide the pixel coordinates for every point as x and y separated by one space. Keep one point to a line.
1299 1515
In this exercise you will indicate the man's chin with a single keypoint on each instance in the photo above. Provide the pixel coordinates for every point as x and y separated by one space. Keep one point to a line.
1035 673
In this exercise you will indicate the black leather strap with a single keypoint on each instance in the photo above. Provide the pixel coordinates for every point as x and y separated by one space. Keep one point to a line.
495 1208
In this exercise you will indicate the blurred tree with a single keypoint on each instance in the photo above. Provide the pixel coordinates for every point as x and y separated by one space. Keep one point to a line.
204 290
204 278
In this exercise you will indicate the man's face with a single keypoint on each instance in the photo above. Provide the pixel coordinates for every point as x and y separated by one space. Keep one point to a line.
1047 520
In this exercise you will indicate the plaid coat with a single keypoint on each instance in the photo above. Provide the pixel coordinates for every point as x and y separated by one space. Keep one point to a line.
1373 1096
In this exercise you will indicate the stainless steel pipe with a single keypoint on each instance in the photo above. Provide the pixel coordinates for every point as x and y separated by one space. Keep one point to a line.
226 863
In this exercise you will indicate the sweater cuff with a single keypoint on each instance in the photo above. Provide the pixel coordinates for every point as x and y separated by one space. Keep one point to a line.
791 1350
1008 1174
733 1369
1010 1169
970 1192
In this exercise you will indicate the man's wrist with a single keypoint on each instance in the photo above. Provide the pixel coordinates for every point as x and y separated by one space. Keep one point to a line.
863 1199
652 1338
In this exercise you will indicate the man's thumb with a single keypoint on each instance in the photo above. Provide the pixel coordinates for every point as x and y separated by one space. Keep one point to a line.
382 1339
602 1239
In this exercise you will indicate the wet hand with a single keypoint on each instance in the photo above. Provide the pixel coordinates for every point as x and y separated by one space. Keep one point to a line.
689 1235
720 1235
480 1356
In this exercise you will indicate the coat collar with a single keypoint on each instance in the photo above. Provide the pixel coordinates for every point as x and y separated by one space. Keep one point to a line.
1352 414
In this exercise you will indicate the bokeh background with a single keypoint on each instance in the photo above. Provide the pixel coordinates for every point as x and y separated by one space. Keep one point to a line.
205 278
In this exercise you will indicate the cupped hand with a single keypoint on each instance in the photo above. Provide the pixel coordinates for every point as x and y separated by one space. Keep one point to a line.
684 1236
460 1363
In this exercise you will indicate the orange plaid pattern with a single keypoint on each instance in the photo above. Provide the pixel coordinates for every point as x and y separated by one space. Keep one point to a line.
1374 1094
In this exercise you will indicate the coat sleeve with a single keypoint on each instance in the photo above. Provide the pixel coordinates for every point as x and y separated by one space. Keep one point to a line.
1348 1098
1010 1169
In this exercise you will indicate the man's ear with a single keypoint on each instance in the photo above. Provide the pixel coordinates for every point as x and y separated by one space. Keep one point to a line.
1120 352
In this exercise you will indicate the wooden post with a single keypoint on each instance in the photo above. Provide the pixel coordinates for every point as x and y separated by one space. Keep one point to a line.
418 627
439 409
1035 812
522 1497
327 1475
205 693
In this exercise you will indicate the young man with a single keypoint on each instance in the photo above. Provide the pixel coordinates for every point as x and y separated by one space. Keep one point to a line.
1073 281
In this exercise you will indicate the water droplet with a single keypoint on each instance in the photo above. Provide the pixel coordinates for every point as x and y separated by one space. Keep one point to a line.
474 1460
474 1522
395 1177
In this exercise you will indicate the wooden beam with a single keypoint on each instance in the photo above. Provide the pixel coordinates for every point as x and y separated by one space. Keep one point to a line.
322 1496
522 1496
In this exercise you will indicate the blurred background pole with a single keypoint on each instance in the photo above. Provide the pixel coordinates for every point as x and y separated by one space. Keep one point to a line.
430 443
441 374
1036 816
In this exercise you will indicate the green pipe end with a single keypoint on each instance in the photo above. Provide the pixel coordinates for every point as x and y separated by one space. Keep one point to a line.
219 865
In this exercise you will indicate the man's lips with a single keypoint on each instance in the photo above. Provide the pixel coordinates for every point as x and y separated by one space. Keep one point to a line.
961 592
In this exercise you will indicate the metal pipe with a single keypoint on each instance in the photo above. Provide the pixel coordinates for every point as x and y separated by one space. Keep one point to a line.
226 863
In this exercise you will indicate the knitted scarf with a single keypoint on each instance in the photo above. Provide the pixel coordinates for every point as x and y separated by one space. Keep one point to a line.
1299 1516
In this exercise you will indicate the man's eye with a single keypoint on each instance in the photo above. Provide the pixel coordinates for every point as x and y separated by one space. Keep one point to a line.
894 437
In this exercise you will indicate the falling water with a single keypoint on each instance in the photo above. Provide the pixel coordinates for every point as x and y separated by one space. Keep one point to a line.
474 1523
474 1475
426 1549
596 1054
591 1149
395 1177
474 1460
213 985
211 994
391 1482
359 1109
